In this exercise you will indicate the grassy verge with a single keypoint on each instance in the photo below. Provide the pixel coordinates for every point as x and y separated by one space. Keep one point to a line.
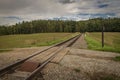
5 50
33 40
77 70
94 43
54 41
117 58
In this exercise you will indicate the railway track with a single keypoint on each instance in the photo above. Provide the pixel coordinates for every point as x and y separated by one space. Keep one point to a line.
34 63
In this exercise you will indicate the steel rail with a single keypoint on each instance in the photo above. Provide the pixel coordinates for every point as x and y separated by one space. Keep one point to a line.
6 69
49 59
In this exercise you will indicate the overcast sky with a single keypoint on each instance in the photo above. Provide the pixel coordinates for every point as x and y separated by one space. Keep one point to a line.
12 11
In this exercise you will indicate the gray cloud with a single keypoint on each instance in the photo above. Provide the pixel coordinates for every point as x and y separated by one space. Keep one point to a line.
23 7
43 9
11 6
67 1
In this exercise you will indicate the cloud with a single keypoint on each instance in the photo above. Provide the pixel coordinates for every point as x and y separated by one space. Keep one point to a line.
13 17
67 1
30 7
47 9
9 20
102 5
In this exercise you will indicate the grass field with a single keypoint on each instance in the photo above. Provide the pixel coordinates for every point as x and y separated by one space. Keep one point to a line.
112 41
32 40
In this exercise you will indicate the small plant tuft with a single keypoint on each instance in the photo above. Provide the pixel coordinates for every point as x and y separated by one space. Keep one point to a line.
77 70
117 58
5 50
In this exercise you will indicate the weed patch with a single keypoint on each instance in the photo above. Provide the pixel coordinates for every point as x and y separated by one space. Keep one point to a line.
77 70
117 58
5 50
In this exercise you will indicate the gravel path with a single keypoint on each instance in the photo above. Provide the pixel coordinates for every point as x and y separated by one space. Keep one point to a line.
76 66
80 43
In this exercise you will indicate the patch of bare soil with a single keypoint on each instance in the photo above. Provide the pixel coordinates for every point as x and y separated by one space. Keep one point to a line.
7 58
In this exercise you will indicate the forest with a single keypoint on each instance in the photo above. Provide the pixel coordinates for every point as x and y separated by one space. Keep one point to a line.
44 26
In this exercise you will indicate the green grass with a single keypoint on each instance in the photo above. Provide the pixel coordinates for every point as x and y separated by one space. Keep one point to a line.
112 41
117 58
5 50
77 70
33 40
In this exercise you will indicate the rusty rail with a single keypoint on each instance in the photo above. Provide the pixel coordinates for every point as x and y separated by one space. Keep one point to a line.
49 59
6 69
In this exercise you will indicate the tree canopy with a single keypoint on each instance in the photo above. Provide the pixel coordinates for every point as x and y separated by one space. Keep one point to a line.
43 26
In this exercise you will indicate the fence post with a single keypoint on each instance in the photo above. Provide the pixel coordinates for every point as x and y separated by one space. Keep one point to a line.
102 36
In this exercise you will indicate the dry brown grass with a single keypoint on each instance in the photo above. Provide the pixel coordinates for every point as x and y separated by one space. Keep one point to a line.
32 40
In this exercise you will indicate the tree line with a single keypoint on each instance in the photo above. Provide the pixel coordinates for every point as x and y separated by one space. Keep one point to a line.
43 26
